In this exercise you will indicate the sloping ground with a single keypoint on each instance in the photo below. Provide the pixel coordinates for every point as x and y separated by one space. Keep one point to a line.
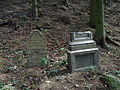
59 21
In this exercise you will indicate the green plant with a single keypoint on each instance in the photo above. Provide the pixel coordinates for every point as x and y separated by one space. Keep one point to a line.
91 68
89 86
53 72
44 61
19 52
1 85
109 31
13 82
112 81
62 51
8 87
64 61
16 59
117 72
106 24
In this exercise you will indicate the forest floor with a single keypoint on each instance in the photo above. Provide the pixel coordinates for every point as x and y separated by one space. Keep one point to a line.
56 21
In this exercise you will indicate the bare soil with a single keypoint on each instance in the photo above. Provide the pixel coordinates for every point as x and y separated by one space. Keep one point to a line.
56 21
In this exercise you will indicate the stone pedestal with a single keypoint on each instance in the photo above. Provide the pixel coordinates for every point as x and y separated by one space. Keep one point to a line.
82 53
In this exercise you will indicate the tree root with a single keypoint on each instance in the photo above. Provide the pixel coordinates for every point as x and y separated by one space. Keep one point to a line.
115 38
112 41
106 46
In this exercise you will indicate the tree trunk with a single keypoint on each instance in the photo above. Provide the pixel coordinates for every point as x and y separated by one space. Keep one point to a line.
34 9
100 32
92 13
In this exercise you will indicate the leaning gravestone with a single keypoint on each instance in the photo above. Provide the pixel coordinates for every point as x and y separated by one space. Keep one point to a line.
36 48
82 53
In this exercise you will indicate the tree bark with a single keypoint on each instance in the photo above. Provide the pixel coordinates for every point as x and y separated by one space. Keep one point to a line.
34 9
92 20
100 34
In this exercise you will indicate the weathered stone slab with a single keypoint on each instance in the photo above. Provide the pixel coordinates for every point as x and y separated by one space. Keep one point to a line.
82 45
36 48
82 52
81 36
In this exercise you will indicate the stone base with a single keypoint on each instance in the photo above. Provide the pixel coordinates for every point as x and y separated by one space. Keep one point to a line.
87 68
81 60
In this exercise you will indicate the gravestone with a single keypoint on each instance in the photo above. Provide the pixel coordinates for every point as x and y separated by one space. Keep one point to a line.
82 53
36 48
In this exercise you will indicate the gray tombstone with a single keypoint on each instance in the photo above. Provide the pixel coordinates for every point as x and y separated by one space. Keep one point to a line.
82 53
36 48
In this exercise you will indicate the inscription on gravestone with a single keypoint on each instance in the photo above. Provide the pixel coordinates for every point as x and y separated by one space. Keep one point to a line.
36 48
80 36
82 52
